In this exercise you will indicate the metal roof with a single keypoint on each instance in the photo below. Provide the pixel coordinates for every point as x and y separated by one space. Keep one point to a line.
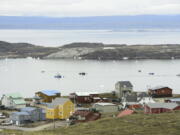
158 87
20 113
104 104
175 99
162 105
19 101
50 92
125 83
85 93
28 109
57 101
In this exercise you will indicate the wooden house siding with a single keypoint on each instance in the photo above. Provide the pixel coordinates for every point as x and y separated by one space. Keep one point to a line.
161 92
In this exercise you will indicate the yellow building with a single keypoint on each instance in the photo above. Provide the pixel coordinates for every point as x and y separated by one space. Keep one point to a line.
60 108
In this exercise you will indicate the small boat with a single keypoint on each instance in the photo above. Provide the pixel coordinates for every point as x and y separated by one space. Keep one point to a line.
151 73
82 73
139 71
178 75
58 76
42 71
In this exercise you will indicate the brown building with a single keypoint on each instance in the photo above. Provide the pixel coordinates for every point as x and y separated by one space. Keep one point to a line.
83 97
85 116
48 95
160 92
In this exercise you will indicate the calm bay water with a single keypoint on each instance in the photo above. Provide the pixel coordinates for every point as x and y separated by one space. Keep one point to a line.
61 37
25 76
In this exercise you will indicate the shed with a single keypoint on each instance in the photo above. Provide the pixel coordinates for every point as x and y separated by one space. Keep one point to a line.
105 107
48 95
160 107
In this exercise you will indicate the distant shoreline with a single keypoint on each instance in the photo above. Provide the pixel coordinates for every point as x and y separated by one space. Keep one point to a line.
91 51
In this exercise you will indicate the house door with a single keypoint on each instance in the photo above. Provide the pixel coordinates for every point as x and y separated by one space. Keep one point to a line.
17 123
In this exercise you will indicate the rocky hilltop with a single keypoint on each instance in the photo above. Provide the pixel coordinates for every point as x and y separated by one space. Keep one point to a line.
95 51
22 50
99 51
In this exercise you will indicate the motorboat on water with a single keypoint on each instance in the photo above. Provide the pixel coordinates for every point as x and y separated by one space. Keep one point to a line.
58 76
151 73
139 71
82 73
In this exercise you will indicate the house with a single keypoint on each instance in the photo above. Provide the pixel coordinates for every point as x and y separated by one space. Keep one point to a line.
20 118
27 115
83 97
122 88
13 101
48 95
125 113
37 114
160 107
144 98
85 116
60 108
104 107
160 91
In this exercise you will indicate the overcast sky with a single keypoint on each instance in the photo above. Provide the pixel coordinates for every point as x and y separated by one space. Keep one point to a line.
66 8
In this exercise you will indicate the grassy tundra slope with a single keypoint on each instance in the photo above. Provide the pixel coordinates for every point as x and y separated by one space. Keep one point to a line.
136 124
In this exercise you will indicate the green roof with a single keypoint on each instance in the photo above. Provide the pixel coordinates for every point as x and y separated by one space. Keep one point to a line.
14 95
19 101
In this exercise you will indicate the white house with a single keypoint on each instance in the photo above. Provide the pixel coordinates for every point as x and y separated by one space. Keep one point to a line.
13 101
123 88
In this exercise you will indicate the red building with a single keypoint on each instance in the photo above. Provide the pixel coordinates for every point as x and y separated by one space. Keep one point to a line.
160 107
160 92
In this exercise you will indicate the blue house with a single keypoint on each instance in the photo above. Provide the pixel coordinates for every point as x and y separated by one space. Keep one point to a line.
26 115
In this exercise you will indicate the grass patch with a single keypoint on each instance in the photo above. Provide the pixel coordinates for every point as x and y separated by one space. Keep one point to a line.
136 124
